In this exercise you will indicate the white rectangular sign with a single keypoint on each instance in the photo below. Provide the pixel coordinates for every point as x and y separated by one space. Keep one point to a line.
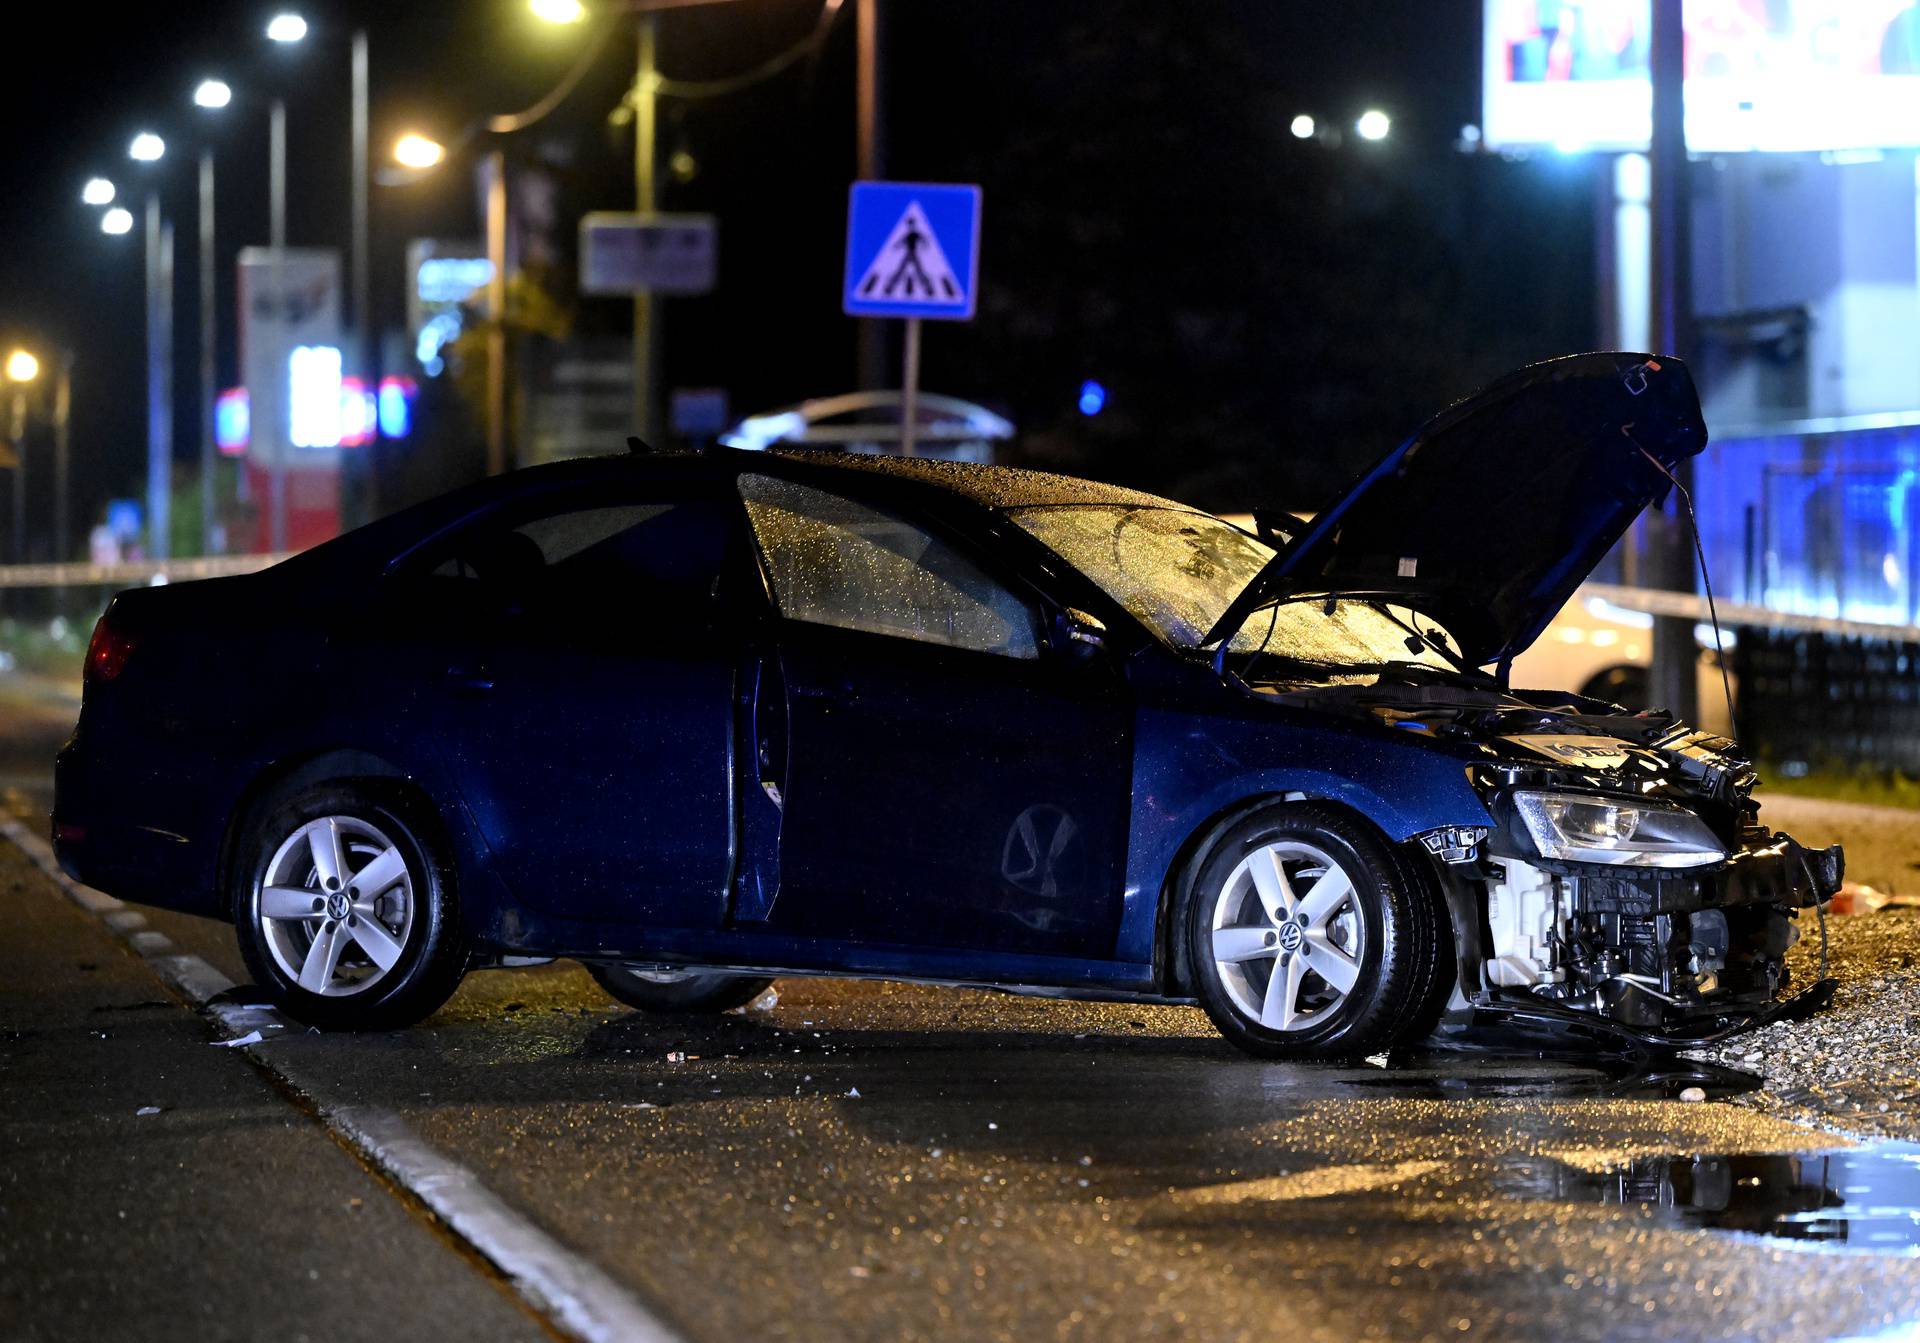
641 254
286 304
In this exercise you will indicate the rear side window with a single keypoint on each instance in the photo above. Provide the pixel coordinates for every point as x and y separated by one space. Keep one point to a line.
834 561
654 559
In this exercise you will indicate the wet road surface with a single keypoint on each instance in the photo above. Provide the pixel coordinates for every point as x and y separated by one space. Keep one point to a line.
881 1161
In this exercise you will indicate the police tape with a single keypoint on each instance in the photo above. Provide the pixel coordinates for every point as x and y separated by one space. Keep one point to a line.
133 573
1692 606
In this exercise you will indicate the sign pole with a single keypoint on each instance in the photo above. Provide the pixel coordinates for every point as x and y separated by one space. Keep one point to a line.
646 308
910 389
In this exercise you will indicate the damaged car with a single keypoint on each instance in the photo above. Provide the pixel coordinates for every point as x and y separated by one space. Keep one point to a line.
701 720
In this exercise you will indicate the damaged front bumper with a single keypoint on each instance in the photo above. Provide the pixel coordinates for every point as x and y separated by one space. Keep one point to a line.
1662 959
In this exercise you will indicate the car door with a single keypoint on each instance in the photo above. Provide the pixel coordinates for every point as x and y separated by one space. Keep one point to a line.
944 778
578 667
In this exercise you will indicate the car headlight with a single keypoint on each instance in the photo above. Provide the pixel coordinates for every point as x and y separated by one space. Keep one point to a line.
1623 832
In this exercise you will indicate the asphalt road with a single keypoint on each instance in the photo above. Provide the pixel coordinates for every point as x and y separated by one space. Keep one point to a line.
868 1161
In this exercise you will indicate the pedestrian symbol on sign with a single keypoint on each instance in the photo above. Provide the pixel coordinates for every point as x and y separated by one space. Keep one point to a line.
913 250
910 264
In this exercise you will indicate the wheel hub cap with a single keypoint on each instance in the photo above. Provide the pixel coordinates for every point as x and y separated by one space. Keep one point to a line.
335 906
1288 937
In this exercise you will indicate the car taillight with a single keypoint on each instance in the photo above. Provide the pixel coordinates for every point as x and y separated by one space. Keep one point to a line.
107 651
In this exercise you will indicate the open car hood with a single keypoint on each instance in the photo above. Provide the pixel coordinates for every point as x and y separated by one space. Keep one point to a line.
1490 516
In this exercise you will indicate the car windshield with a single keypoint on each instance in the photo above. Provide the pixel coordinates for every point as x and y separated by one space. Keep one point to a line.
1176 571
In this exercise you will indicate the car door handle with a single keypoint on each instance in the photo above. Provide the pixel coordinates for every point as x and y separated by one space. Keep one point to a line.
475 677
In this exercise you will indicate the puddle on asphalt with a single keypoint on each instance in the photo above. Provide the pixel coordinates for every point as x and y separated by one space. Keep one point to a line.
1864 1198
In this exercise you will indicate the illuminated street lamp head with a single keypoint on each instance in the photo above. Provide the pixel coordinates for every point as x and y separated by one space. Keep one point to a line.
558 11
417 151
286 28
97 191
117 221
22 367
1373 124
212 93
1302 127
147 147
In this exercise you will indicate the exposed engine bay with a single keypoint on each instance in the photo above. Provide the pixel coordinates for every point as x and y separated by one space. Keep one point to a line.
1627 886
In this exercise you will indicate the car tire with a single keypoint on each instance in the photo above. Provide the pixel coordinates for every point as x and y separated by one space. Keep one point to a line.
678 991
1343 954
319 938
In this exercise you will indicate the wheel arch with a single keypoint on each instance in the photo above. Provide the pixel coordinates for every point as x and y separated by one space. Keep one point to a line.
368 769
1170 961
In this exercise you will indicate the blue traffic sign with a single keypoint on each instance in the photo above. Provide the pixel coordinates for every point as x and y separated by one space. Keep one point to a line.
913 250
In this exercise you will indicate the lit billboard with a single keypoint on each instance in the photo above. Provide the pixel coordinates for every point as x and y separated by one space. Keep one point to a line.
1773 75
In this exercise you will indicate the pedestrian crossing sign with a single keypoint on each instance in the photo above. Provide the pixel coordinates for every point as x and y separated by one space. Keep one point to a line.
913 250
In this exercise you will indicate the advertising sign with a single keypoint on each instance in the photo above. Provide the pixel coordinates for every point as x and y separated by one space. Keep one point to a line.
1770 75
290 305
648 254
442 276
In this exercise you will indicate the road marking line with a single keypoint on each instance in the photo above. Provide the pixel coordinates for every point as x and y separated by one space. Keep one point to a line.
576 1295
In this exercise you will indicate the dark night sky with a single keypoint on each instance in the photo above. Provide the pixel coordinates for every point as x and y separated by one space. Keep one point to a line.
971 95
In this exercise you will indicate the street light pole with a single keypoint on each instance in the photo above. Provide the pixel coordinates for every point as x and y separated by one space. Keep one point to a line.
159 378
496 312
646 312
208 450
17 431
871 356
274 421
62 417
362 355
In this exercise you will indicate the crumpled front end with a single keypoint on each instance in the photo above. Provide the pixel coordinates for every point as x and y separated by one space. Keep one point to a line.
1678 941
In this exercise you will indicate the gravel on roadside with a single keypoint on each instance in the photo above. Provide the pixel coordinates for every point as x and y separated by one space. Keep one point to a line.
1856 1066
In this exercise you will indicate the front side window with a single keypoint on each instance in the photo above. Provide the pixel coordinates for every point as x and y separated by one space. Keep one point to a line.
834 561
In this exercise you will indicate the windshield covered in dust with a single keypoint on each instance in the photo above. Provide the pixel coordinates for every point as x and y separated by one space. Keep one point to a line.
1176 571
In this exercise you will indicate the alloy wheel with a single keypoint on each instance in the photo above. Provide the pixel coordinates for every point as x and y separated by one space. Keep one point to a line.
1288 938
335 906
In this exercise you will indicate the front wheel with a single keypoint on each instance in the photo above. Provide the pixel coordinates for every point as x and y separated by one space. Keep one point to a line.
343 914
678 991
1307 936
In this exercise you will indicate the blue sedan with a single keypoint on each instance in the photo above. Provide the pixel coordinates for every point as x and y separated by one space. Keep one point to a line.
701 720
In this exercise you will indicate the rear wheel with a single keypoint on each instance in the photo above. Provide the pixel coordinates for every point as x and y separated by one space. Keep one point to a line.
688 991
1308 936
343 914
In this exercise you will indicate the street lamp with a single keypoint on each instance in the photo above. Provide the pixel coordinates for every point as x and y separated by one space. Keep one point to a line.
212 93
286 28
97 191
558 11
116 221
22 366
147 148
418 151
1373 124
1302 127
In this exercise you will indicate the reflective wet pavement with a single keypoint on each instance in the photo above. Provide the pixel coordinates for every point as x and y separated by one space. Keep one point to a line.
1866 1198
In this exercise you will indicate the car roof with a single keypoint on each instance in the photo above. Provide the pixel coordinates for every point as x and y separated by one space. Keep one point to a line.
998 487
995 487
